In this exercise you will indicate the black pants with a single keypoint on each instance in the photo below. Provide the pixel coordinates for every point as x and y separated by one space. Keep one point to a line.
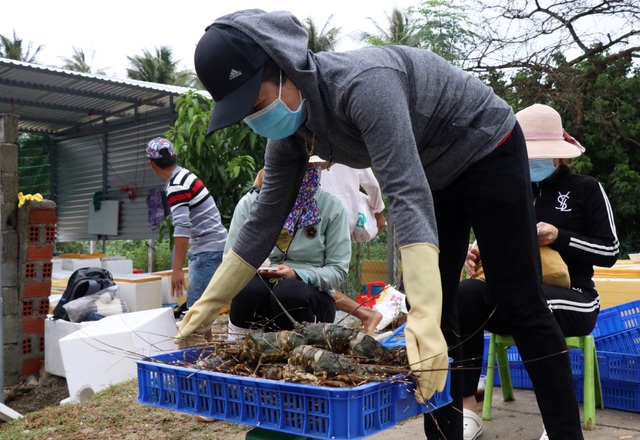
494 197
255 306
576 313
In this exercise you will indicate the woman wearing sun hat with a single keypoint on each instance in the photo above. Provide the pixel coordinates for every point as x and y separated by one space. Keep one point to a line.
449 155
574 218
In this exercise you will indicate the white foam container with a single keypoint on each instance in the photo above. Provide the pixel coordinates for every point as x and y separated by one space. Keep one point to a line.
54 330
56 264
139 291
117 265
104 352
74 264
165 275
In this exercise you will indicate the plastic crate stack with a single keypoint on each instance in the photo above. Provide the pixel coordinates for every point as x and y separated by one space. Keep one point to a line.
617 336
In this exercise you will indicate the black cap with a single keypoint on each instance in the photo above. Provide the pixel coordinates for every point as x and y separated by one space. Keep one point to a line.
229 65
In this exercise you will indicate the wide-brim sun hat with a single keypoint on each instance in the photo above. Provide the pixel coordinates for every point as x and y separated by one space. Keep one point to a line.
544 135
229 64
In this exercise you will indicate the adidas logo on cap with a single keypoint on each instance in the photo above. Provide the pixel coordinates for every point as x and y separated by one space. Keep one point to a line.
234 74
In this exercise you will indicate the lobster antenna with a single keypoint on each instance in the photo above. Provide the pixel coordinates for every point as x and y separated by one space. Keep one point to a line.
293 321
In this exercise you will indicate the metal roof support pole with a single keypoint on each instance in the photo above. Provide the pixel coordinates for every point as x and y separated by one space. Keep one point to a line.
105 170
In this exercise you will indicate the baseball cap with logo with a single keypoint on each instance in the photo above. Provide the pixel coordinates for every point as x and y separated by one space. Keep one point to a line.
229 64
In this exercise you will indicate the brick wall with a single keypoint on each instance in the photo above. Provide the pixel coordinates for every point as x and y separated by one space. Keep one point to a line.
27 236
36 236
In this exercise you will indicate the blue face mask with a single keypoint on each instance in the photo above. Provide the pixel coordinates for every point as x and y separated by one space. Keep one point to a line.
276 121
540 169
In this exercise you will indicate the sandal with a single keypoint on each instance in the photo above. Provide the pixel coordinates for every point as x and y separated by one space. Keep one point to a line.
472 424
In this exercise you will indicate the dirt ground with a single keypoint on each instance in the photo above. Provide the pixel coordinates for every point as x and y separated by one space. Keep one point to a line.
49 392
113 413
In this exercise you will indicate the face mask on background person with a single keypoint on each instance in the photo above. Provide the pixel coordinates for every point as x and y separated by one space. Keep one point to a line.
540 169
277 121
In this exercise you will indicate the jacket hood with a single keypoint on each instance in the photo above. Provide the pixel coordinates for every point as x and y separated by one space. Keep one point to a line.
281 35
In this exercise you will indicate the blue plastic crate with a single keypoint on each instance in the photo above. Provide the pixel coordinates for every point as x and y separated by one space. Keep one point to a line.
313 411
616 394
519 376
627 342
617 319
619 366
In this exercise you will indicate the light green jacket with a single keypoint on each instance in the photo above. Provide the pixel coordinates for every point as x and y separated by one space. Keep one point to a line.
319 253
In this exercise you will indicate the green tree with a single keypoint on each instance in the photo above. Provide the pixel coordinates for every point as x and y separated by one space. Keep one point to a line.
399 30
226 161
441 27
160 68
580 58
323 40
79 63
13 49
33 165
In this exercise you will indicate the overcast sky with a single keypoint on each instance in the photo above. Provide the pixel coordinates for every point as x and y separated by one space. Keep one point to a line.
115 29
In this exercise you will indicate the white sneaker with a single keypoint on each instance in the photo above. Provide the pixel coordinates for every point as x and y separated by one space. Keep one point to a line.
544 435
472 424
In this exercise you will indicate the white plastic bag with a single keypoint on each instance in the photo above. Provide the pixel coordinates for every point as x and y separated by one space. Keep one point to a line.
366 228
392 304
102 303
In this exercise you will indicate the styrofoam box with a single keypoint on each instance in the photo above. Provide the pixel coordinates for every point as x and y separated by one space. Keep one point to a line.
73 264
139 291
56 264
117 265
61 275
54 330
166 284
104 352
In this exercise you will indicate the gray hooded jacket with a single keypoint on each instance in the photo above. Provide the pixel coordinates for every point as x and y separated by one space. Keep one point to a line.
414 118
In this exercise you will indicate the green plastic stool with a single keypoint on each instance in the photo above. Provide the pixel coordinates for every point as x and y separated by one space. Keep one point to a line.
268 434
498 345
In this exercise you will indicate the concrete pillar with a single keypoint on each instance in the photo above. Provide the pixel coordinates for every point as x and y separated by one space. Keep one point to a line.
12 306
28 235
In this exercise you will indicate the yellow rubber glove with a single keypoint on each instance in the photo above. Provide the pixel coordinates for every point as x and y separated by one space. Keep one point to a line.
426 347
233 274
22 198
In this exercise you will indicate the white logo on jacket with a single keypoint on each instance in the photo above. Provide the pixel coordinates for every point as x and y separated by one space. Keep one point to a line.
562 202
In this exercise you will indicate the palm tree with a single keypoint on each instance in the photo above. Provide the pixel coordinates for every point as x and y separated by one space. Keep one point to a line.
12 49
323 41
400 31
78 62
159 68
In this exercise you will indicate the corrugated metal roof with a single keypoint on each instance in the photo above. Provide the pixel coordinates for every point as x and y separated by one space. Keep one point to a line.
53 101
98 128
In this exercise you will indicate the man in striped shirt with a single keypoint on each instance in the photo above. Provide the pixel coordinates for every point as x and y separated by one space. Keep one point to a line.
198 232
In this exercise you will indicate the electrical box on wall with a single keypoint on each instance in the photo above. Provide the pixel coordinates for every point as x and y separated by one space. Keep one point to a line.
104 221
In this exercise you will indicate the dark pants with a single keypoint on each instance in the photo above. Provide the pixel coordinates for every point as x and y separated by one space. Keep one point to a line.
576 313
255 306
494 197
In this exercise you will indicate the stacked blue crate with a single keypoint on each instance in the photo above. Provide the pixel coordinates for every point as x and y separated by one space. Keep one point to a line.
617 336
519 376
